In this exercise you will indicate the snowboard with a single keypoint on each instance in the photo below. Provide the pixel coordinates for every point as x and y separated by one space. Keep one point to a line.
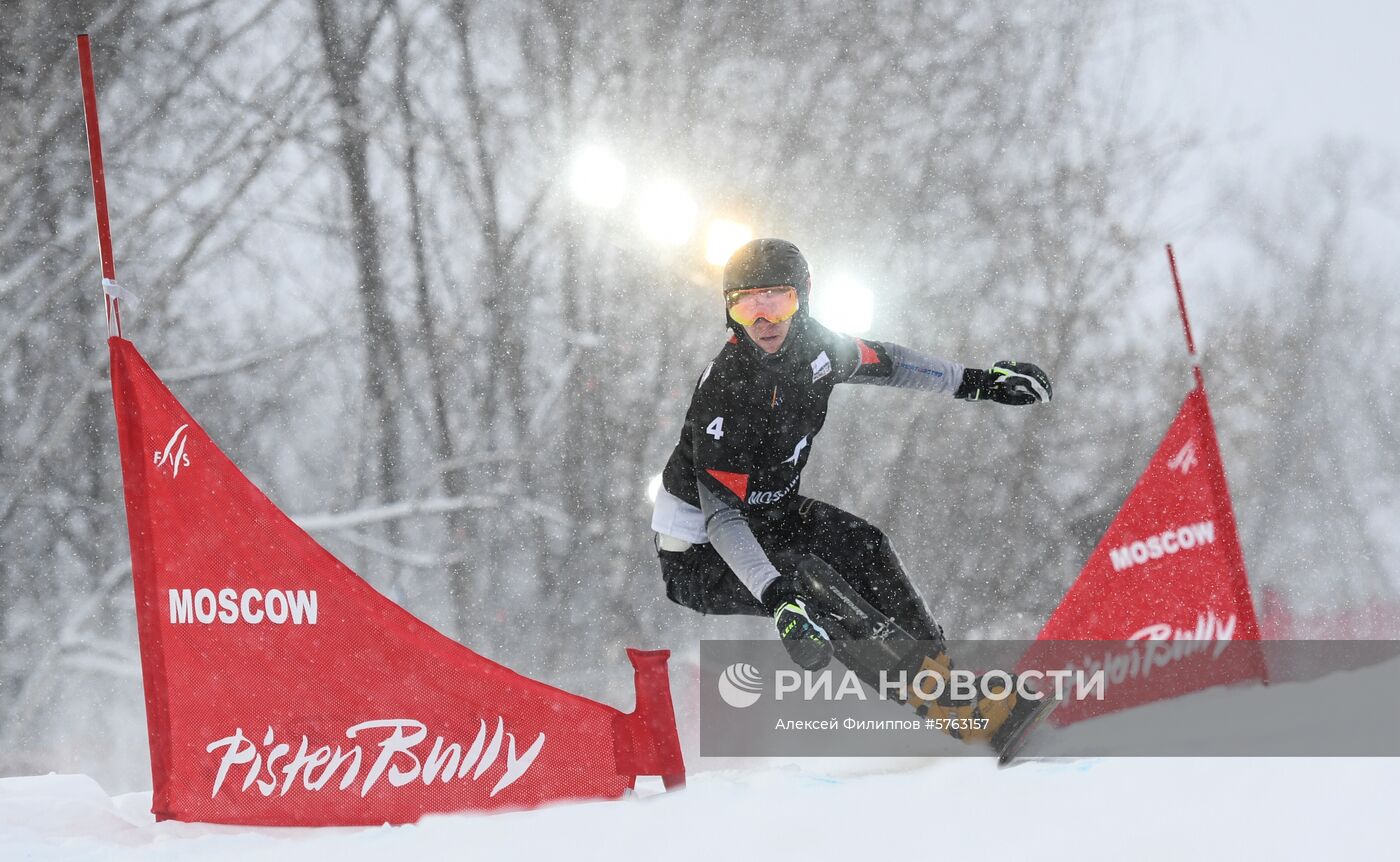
1011 747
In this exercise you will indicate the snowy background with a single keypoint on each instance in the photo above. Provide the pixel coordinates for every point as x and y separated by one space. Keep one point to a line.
364 266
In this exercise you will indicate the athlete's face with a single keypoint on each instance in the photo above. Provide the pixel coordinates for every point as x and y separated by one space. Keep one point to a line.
769 336
764 312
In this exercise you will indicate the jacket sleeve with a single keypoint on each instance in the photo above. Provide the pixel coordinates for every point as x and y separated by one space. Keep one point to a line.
883 363
732 538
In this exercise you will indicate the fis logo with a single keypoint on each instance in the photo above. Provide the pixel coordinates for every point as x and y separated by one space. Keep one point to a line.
1184 459
821 366
740 685
174 452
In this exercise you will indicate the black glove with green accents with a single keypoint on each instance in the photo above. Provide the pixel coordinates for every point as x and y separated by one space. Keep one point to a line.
806 642
1015 383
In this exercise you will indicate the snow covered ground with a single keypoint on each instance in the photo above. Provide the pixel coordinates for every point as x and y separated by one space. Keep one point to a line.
1092 808
1177 808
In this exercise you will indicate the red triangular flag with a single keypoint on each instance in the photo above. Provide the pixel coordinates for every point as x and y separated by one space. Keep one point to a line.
1168 568
281 689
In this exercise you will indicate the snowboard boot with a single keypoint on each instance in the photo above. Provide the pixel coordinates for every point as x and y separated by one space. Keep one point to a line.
869 643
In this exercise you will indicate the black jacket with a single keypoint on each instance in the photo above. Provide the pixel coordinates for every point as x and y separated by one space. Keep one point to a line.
754 417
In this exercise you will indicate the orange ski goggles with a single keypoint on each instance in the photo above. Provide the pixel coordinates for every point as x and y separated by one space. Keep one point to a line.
774 304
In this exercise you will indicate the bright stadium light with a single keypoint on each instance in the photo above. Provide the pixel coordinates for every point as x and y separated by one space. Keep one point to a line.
843 305
654 487
724 239
598 179
668 213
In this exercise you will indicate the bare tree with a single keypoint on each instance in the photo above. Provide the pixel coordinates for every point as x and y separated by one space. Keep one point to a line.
65 620
1304 369
347 33
541 354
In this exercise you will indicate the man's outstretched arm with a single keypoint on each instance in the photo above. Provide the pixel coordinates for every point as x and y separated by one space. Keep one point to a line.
883 363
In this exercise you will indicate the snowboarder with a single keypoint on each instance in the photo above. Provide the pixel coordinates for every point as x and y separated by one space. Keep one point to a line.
733 533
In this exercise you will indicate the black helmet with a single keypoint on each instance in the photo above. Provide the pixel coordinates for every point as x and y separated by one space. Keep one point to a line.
766 262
